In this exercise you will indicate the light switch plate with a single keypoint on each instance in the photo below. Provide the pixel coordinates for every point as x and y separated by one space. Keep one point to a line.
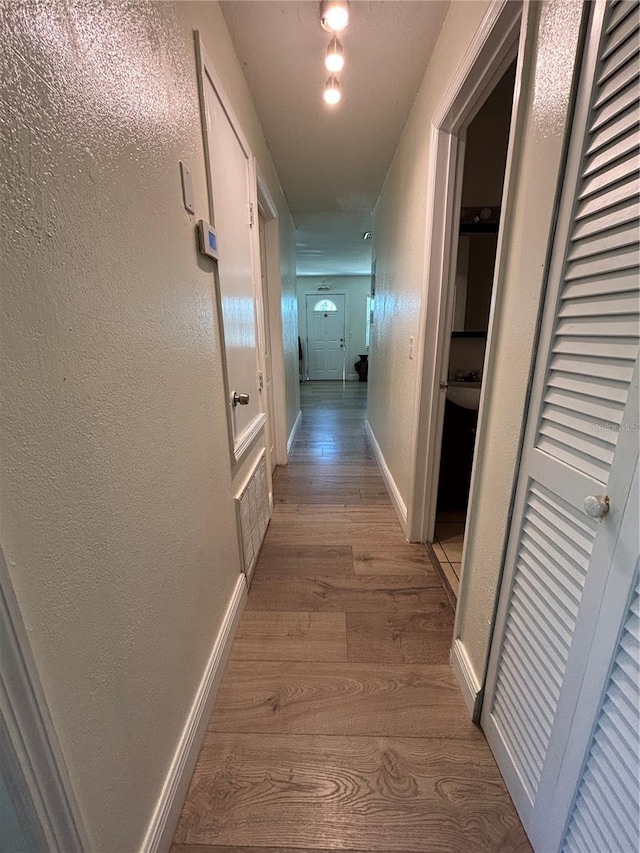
187 188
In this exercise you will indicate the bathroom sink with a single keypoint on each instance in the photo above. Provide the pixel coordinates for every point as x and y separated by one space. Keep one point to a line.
464 394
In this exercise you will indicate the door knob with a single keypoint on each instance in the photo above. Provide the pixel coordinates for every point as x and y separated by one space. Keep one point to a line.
596 506
239 399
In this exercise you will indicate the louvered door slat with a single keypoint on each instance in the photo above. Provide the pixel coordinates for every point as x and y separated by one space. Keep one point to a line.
597 304
619 12
601 416
603 241
626 76
595 387
612 770
602 202
520 660
624 258
614 129
616 105
620 57
585 346
563 424
618 281
620 33
621 150
627 211
560 525
548 609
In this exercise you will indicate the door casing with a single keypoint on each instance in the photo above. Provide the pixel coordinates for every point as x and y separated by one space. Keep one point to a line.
493 49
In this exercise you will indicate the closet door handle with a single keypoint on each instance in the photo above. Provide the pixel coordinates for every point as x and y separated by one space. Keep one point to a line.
239 399
596 506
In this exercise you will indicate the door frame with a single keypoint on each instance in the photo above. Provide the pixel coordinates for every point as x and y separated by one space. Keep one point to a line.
33 759
269 212
321 295
496 44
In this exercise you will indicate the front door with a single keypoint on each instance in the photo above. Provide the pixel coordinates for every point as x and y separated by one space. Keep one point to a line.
325 336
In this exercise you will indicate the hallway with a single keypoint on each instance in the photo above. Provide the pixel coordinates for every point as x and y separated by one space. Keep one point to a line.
338 724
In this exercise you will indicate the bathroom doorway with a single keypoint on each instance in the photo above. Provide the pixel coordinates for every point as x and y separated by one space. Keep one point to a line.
485 158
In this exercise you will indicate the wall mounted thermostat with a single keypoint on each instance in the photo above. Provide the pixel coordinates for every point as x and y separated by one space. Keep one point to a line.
208 240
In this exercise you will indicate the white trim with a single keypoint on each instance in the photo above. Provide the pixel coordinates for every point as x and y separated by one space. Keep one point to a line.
43 783
269 212
165 817
394 493
488 56
246 439
468 682
294 432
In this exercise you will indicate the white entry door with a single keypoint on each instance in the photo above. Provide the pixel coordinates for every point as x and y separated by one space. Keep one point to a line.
232 188
325 336
565 734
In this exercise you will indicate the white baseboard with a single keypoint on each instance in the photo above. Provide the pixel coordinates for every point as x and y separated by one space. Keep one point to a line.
294 432
167 812
467 680
396 498
353 377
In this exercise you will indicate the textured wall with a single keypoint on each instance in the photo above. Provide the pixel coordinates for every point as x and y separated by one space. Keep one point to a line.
116 514
399 247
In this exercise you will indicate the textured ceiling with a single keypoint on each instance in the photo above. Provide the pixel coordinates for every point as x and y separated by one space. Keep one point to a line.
332 161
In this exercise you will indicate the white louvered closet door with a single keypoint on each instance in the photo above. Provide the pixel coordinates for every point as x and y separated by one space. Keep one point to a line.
581 440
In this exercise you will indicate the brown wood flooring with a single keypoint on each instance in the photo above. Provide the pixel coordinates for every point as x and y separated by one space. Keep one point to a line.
338 724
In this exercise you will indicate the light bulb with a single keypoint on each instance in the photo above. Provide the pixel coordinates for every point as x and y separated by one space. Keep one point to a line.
334 59
332 90
334 15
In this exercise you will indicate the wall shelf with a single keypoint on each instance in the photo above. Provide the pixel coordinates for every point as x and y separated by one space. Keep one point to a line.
479 228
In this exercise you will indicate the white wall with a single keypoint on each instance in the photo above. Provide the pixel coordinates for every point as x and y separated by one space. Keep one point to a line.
117 517
399 230
549 61
356 288
399 245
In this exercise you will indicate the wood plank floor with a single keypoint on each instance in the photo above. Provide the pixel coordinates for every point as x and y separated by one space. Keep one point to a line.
338 724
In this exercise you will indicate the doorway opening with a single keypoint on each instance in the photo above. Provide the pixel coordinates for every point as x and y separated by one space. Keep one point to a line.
486 142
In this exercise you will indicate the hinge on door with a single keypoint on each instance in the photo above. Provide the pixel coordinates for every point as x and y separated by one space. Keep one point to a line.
260 381
251 216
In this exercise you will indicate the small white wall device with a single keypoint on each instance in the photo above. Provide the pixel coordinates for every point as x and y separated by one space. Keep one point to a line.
207 239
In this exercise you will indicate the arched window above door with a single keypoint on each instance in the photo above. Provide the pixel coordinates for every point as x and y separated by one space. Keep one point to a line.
325 305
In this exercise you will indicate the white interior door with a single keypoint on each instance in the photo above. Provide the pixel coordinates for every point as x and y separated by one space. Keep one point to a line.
564 566
232 183
325 336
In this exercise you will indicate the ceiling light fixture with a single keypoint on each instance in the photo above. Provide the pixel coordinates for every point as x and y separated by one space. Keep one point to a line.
332 90
334 15
334 59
